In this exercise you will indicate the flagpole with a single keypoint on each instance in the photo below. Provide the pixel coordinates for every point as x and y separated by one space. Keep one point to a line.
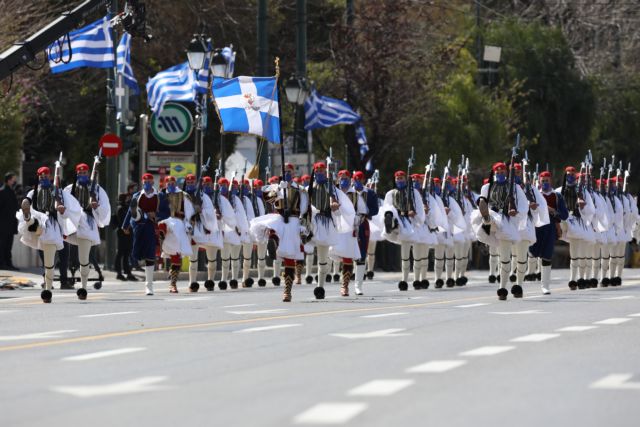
284 191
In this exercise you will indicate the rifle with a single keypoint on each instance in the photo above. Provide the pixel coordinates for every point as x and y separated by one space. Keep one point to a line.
268 169
459 196
525 179
374 179
627 173
512 176
197 197
330 177
57 184
93 185
443 184
410 201
216 188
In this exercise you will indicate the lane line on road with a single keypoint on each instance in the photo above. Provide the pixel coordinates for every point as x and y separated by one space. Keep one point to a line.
613 321
487 350
576 328
36 335
239 305
479 304
616 382
103 354
374 334
137 385
535 338
181 299
8 311
330 413
519 312
267 328
119 313
380 387
635 315
436 366
618 298
375 316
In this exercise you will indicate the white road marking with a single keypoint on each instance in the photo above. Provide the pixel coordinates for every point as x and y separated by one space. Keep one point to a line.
520 312
480 304
109 314
616 382
37 335
179 299
330 413
620 297
239 305
275 310
535 338
374 316
576 328
436 366
7 311
267 328
380 387
374 334
487 351
101 354
612 321
635 315
137 385
535 296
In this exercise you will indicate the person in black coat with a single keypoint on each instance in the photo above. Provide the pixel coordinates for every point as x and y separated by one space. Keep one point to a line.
8 222
125 240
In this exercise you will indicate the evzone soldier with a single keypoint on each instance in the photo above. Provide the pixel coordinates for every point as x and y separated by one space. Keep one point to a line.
370 199
142 218
467 200
174 234
256 208
200 215
233 235
426 233
457 231
346 249
290 203
96 213
225 217
575 229
547 234
331 215
623 227
272 238
502 210
601 224
443 249
375 228
403 210
47 214
308 246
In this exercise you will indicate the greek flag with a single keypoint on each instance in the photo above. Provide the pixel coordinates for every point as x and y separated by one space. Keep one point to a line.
124 63
177 83
248 105
361 137
323 112
91 46
230 56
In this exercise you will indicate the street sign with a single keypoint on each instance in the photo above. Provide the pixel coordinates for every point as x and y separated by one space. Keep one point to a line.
111 145
173 125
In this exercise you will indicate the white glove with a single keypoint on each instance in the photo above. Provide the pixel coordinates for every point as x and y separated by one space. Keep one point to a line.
284 185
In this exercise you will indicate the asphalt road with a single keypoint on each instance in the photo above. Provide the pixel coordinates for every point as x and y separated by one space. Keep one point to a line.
447 357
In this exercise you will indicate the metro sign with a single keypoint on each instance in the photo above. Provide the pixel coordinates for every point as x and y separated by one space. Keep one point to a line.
110 144
173 125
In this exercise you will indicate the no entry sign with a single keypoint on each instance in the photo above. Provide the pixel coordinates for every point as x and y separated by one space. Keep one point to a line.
111 145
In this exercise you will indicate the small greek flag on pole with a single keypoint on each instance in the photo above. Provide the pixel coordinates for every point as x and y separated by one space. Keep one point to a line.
91 46
323 112
124 63
177 83
249 105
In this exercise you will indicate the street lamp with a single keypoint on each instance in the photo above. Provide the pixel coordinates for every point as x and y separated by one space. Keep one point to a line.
199 56
197 52
219 64
297 92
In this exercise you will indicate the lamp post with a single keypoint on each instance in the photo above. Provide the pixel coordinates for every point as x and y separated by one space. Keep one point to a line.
199 56
220 68
297 92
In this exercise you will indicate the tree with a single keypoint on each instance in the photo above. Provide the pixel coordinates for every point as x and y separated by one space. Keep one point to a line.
10 134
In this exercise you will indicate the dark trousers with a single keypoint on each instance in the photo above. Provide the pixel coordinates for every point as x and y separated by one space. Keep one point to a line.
124 253
6 243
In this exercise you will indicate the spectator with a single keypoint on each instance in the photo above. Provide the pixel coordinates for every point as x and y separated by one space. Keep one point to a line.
125 241
8 222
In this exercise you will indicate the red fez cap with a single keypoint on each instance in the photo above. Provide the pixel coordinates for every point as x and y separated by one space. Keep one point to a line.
289 166
597 182
44 170
319 165
147 176
358 175
399 174
258 183
296 179
190 176
570 169
517 166
454 181
415 176
82 167
235 182
437 181
485 181
223 181
345 172
206 179
246 181
169 178
613 180
545 174
274 179
305 177
498 165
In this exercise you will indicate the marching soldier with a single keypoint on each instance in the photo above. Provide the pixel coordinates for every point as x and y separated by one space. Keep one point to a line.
370 199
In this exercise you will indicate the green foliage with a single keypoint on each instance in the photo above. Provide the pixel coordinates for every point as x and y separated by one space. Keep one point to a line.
10 135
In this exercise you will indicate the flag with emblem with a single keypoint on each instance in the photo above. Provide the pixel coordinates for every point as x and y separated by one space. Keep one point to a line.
90 46
249 105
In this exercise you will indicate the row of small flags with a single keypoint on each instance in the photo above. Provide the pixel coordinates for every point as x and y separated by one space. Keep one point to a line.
245 104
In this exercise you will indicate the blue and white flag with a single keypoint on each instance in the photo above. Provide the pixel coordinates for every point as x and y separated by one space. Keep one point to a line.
323 112
124 63
230 56
177 83
361 137
91 46
248 105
